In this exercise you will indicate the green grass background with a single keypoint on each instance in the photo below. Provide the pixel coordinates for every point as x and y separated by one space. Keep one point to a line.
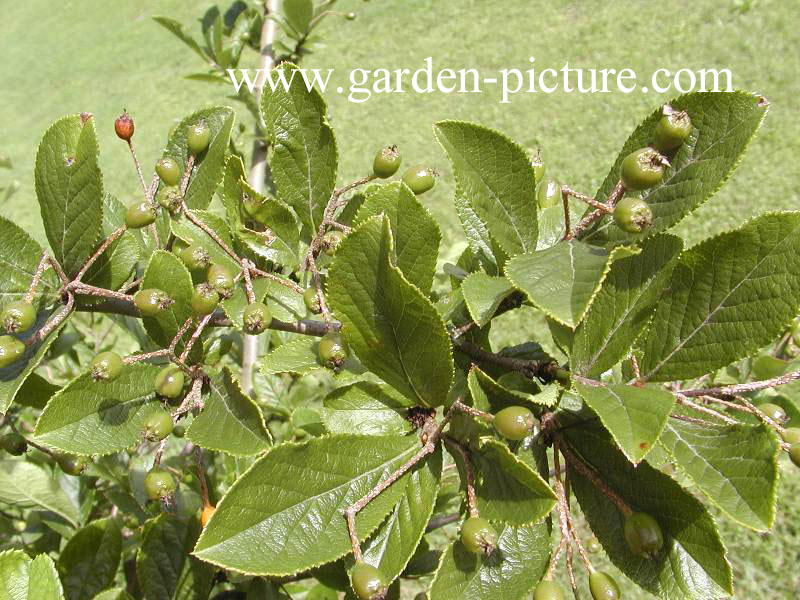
73 56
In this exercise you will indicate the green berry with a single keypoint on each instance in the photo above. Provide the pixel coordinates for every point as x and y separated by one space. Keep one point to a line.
196 258
333 350
257 318
386 162
169 382
548 590
18 316
632 214
549 194
168 170
794 454
478 536
539 168
331 241
179 431
603 586
368 582
791 435
643 169
350 16
774 412
221 279
11 350
151 302
204 300
157 425
514 422
71 464
672 130
169 198
140 214
14 444
419 178
643 534
106 366
198 137
311 300
159 483
593 545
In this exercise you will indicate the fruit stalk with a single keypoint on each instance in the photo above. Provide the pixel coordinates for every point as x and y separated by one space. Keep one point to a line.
37 277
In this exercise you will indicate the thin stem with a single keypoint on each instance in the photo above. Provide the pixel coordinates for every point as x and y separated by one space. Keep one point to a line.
532 369
705 410
469 475
460 406
743 388
139 171
179 335
84 289
554 559
59 271
134 358
37 277
565 201
440 522
211 233
195 336
584 470
280 280
186 175
115 235
599 213
431 433
54 322
201 475
563 499
248 282
29 441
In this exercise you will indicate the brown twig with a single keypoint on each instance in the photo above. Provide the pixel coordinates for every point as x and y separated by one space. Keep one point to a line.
469 475
460 406
195 336
134 358
532 369
84 289
186 175
743 388
211 233
599 213
54 322
37 277
147 196
115 235
705 410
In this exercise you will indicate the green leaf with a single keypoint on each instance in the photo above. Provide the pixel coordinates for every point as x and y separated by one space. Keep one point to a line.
114 266
624 305
166 272
509 573
69 186
507 489
286 513
230 421
416 234
483 295
90 559
366 408
190 233
634 416
117 593
391 326
176 29
562 280
280 241
484 248
723 126
19 257
736 467
298 14
26 484
13 376
391 547
729 296
490 396
692 564
164 568
304 156
496 176
90 418
23 578
208 173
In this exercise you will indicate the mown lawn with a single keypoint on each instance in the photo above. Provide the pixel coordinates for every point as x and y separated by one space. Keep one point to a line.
61 58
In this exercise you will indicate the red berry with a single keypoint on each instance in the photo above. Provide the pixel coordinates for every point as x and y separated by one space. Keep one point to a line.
124 126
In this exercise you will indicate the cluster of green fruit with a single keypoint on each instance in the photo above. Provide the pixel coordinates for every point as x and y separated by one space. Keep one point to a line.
790 435
419 178
644 168
16 317
16 445
141 214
